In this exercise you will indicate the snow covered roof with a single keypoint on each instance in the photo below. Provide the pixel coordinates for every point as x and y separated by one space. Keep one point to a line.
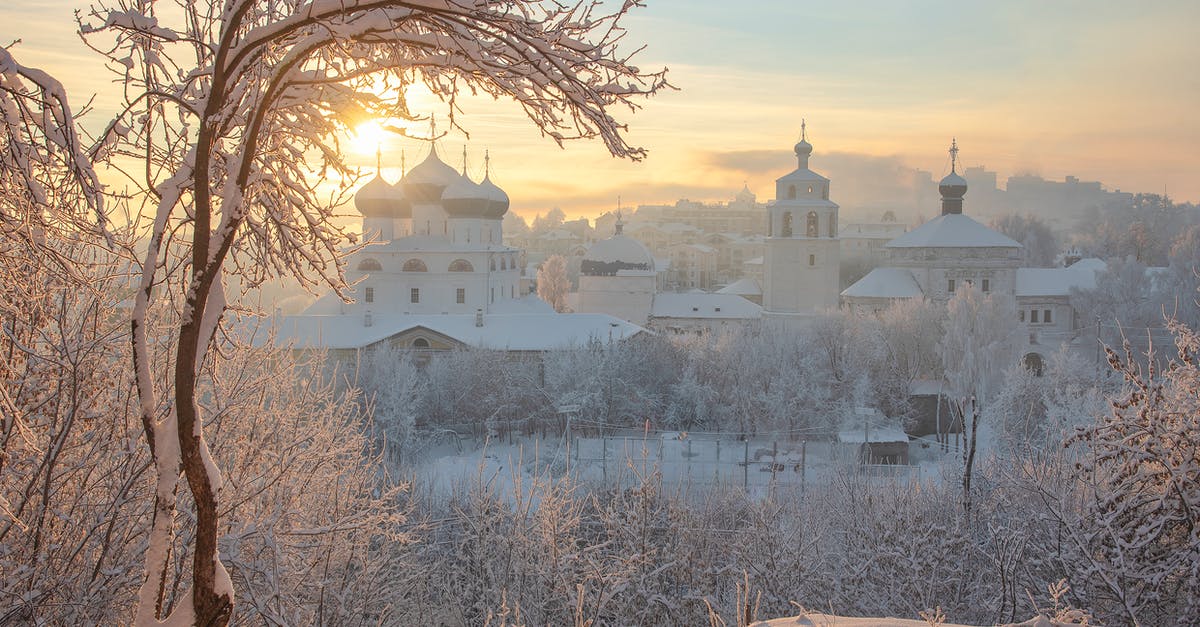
885 283
704 305
514 332
878 230
953 230
1058 281
925 387
801 174
872 434
620 249
745 286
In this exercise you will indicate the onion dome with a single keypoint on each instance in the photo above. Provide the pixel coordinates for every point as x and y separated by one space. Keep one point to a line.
619 252
401 206
426 182
465 198
375 199
497 198
803 148
953 187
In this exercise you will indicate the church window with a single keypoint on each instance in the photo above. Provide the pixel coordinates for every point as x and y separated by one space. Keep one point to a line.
812 260
369 294
1033 315
810 189
461 296
950 286
503 263
812 224
787 225
987 285
420 343
1021 315
415 265
370 265
791 192
1046 316
832 226
512 291
414 295
493 266
461 265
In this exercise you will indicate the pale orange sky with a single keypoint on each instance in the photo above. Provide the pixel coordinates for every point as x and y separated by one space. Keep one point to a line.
1102 90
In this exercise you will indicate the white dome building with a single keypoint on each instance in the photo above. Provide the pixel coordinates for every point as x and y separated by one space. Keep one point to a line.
436 273
617 277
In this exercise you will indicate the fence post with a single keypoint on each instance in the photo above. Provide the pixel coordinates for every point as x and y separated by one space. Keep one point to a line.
604 457
746 466
803 464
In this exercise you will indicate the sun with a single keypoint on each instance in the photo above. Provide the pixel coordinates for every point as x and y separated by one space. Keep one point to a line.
368 137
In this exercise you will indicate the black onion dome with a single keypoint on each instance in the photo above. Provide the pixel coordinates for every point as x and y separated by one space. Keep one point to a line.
374 200
497 198
953 186
464 198
426 182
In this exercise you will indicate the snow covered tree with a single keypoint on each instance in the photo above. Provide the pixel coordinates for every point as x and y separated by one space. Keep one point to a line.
975 349
1040 244
234 112
1138 534
552 282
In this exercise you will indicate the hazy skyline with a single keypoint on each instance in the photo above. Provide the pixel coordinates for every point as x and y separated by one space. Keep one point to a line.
1100 90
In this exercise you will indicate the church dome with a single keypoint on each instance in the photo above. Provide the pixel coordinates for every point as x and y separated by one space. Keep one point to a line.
426 182
953 186
401 206
607 257
803 148
465 198
375 199
497 198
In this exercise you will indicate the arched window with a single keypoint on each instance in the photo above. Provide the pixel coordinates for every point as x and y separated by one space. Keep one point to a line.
791 192
503 263
415 265
810 189
461 265
1035 364
493 266
370 265
786 231
832 232
812 224
420 343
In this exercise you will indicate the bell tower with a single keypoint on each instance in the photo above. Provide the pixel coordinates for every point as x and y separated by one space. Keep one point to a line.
801 264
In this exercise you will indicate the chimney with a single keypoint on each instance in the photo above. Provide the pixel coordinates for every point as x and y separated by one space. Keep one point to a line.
478 317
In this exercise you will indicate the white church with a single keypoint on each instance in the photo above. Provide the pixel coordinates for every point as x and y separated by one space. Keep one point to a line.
437 275
931 261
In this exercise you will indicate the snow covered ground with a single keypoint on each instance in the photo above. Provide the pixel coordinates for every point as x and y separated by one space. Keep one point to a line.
814 619
681 464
